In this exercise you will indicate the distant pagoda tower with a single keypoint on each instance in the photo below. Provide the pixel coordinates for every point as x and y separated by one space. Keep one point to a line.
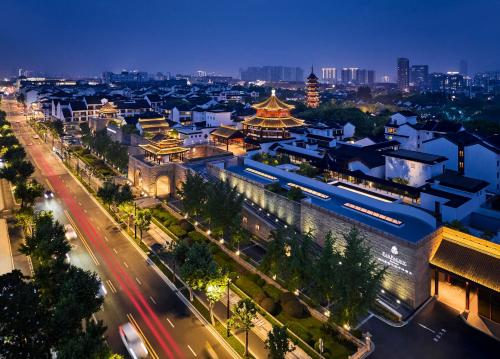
272 120
312 90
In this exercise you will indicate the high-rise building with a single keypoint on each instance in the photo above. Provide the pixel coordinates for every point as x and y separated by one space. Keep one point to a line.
349 75
464 68
357 76
451 82
419 76
329 75
312 90
403 71
272 73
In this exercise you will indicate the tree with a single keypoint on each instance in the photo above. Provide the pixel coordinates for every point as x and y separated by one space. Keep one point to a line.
22 319
198 267
123 195
107 193
76 300
143 220
244 312
214 289
193 192
278 343
323 278
28 192
24 218
87 344
24 169
359 279
179 250
275 253
47 243
9 173
223 208
15 153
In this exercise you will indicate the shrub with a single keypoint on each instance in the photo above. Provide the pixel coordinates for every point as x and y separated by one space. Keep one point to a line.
286 297
177 230
257 279
197 236
260 297
269 305
249 287
188 227
295 309
272 291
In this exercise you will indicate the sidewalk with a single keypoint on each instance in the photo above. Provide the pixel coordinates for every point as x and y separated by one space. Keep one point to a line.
257 336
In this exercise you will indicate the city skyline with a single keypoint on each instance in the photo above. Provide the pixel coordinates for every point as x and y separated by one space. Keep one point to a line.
327 38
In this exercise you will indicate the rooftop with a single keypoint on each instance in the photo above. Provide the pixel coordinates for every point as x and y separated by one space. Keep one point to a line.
415 156
454 180
342 202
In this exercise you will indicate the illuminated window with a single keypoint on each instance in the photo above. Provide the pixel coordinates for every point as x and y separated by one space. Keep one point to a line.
261 174
245 220
374 214
257 227
309 191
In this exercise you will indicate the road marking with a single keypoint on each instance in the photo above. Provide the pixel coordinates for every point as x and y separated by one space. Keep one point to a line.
138 281
152 299
111 286
125 264
80 204
50 186
106 239
94 318
192 351
89 250
171 324
114 250
85 210
143 337
427 328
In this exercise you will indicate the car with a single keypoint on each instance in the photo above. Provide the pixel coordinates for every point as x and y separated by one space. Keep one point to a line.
102 289
132 341
48 194
70 232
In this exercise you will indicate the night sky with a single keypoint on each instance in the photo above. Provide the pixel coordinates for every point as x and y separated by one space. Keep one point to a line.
87 37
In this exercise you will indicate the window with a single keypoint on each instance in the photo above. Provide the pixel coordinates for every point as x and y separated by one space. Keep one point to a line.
245 220
257 227
374 214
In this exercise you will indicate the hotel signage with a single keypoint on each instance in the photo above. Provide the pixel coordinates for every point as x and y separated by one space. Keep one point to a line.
392 259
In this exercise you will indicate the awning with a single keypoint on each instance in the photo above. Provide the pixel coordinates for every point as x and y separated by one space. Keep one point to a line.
473 263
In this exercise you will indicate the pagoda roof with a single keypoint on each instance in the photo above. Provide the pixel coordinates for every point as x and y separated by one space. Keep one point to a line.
273 104
163 151
276 122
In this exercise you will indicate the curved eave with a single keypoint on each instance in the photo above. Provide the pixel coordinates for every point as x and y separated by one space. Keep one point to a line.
285 122
273 103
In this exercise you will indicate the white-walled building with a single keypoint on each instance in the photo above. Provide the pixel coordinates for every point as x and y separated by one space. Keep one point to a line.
470 155
414 167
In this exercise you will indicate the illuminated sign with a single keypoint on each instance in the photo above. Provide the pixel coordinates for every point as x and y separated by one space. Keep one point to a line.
393 261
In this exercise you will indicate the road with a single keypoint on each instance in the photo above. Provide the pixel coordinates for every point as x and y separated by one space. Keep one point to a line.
435 332
137 291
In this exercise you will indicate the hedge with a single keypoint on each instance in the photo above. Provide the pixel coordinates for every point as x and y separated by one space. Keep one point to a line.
177 230
249 287
197 236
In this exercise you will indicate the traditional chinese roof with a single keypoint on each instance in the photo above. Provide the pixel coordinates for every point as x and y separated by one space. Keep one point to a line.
273 104
279 122
162 144
227 133
273 113
108 108
469 257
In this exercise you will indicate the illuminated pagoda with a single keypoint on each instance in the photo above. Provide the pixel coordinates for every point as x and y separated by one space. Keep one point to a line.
312 90
272 120
163 148
108 110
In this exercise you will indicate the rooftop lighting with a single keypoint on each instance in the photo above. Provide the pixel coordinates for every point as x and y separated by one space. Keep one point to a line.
365 194
309 191
374 214
261 174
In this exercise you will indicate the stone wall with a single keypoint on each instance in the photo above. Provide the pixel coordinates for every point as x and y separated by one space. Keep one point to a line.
408 272
256 225
149 173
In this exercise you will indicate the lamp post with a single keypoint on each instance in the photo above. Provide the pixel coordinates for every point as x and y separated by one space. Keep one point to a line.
135 223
